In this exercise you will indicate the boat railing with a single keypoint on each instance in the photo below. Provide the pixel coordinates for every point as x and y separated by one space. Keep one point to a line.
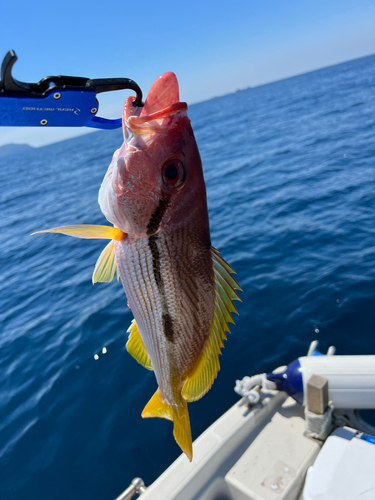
137 486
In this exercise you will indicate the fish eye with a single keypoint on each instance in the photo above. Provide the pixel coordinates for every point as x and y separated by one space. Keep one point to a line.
173 173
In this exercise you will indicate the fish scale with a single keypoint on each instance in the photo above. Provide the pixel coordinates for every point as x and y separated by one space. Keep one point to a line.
134 260
148 308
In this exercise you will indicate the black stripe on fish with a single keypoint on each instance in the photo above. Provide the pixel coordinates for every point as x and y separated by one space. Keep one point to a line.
166 317
168 327
156 217
156 262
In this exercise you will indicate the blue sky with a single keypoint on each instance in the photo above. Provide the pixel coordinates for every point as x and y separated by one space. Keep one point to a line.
214 47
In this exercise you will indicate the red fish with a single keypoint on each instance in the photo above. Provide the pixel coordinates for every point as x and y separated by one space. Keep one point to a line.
180 290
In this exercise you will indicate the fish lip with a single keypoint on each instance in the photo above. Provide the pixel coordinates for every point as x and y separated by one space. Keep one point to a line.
140 132
156 122
172 109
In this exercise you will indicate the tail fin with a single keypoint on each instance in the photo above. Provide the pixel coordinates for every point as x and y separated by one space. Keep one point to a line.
158 407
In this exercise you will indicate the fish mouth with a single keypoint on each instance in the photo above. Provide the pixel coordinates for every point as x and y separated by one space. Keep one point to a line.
157 122
161 110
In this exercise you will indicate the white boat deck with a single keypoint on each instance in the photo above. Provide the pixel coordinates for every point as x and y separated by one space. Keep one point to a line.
260 454
278 450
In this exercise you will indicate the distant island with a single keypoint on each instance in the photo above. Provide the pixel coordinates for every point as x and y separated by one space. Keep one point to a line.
11 149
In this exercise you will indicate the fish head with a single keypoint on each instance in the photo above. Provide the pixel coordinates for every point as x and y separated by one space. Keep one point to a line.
155 180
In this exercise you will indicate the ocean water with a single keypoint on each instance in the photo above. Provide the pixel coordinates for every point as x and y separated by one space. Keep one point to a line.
290 175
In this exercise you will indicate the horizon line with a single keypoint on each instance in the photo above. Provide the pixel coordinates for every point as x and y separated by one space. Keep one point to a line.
87 130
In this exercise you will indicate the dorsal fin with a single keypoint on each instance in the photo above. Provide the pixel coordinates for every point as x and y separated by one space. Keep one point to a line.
106 265
204 374
136 347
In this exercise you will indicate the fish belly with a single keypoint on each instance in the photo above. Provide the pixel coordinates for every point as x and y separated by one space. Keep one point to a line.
169 284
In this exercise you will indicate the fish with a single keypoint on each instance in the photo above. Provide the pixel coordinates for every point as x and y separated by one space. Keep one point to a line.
179 288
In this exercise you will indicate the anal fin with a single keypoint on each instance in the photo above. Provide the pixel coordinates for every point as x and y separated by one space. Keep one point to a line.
136 347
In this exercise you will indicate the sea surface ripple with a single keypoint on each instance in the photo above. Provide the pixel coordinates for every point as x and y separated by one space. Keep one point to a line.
290 176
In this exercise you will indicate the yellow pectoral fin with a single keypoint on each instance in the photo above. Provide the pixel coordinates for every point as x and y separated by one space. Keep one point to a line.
136 347
202 377
88 231
106 265
158 407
